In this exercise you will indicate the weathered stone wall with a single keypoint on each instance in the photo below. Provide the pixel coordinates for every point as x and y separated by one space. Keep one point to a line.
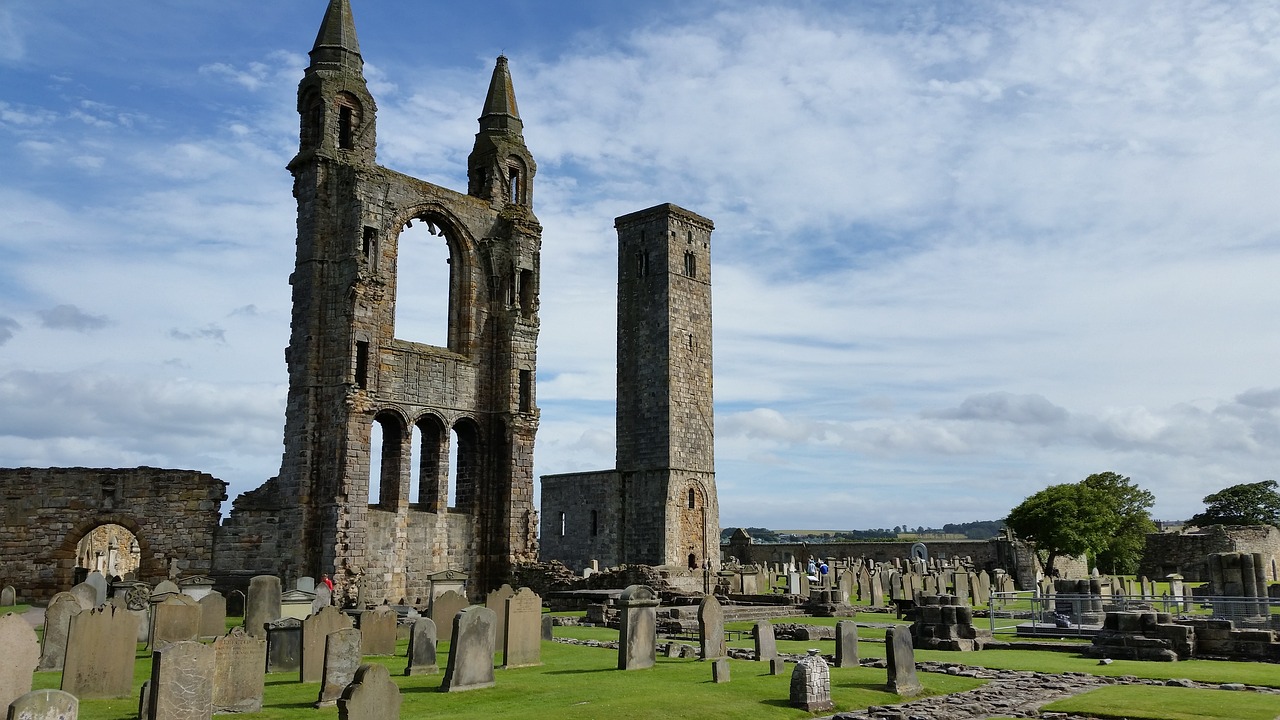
1184 552
47 511
580 518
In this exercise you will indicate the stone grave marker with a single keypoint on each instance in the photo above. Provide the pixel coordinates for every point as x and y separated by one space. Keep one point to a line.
262 605
57 623
711 629
19 656
165 588
8 596
324 598
471 652
371 696
496 601
720 670
305 584
638 629
341 660
846 644
811 684
213 614
86 595
98 582
765 641
296 603
548 628
181 682
846 583
239 668
777 666
314 631
901 658
422 648
983 593
44 705
877 591
522 642
284 646
175 619
962 588
443 609
100 651
196 586
378 631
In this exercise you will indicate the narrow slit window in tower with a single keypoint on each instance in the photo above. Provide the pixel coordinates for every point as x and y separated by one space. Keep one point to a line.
370 241
690 265
362 364
526 291
595 523
693 499
526 391
346 135
513 174
561 524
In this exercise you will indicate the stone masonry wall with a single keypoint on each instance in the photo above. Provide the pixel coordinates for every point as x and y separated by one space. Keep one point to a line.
1185 552
570 503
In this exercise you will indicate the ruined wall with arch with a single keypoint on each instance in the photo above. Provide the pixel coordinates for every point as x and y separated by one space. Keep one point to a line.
46 512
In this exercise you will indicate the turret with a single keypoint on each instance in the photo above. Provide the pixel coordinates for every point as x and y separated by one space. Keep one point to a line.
500 168
338 113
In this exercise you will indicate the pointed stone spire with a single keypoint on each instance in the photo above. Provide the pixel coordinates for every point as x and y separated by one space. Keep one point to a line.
336 45
500 111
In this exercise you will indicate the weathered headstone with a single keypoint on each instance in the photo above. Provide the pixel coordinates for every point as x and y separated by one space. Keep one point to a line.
720 670
57 623
341 660
765 641
101 644
777 666
371 696
638 629
181 682
306 584
87 595
284 646
315 630
378 631
846 644
846 584
496 601
262 605
522 642
296 603
422 648
548 628
8 596
98 582
44 705
324 598
811 684
213 614
239 672
711 629
444 607
165 587
901 659
19 655
877 590
471 652
175 619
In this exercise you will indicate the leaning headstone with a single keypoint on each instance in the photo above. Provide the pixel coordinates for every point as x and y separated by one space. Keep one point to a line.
846 644
19 655
213 614
471 652
422 648
444 608
341 660
57 623
711 628
720 670
496 601
175 619
101 644
182 682
315 629
766 642
284 646
371 696
8 596
522 642
901 659
238 674
44 705
811 684
262 604
638 629
87 595
378 631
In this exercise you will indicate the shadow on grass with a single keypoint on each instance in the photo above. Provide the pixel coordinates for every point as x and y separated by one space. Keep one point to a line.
581 672
310 705
776 702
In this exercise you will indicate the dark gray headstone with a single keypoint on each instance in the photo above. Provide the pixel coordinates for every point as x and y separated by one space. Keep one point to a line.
315 630
101 645
720 670
182 682
284 645
766 643
262 605
8 596
846 644
213 614
811 684
98 582
548 628
371 696
175 619
777 666
378 631
443 609
144 700
422 648
19 655
341 660
44 705
901 658
471 652
638 631
57 623
711 629
240 662
522 645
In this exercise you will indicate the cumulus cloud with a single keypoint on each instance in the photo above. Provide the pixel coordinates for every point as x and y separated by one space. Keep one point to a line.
70 317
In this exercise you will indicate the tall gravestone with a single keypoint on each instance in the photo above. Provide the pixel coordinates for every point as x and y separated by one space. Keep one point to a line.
522 639
182 682
811 684
341 660
315 629
371 696
846 584
19 655
378 631
213 614
422 648
444 607
638 630
101 644
176 618
262 605
284 646
846 644
765 641
901 658
471 652
496 601
238 672
44 705
57 623
711 629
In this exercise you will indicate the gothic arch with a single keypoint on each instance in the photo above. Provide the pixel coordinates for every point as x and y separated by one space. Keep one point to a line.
467 290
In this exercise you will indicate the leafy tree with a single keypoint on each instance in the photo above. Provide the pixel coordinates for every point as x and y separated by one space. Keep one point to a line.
1132 505
1068 519
1245 504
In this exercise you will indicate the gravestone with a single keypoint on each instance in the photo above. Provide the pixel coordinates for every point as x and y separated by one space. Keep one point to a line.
181 682
765 641
711 629
213 614
638 628
877 591
777 666
296 603
196 587
371 696
444 607
341 660
86 595
496 601
315 629
284 646
44 705
98 582
19 656
422 648
846 644
720 670
846 583
901 659
262 605
378 631
548 628
522 643
306 584
101 644
137 599
238 672
8 596
175 619
324 598
165 587
471 652
57 623
811 684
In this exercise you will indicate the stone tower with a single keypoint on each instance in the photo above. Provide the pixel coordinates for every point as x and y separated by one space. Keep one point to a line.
349 370
659 505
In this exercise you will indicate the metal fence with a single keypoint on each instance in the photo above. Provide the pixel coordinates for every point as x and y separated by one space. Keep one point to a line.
1073 615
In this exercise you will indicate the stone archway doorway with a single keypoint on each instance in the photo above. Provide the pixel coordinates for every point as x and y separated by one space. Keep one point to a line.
83 543
110 549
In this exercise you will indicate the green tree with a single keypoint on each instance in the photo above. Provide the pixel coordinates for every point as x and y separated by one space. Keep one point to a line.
1123 549
1245 504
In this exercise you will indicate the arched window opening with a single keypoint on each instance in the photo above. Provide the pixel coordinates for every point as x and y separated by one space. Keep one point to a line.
385 435
464 455
415 465
424 285
432 473
312 121
513 177
110 549
527 292
349 117
375 463
693 561
693 499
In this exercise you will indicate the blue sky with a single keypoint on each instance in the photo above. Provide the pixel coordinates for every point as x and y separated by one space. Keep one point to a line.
962 250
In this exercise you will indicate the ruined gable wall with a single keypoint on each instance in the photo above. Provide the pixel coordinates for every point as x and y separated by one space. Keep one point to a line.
1185 552
577 495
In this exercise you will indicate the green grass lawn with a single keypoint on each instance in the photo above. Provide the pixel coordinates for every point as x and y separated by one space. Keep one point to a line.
1169 703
